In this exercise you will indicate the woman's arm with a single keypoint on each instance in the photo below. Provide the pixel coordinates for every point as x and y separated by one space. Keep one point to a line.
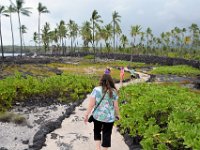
116 107
90 107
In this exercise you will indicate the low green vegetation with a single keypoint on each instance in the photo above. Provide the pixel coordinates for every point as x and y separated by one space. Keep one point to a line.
41 80
89 57
163 116
28 69
179 70
120 63
65 87
98 68
79 66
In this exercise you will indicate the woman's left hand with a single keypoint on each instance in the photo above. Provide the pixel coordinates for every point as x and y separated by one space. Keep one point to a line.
86 119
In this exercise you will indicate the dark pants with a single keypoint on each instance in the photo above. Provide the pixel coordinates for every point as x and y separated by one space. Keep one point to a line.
106 129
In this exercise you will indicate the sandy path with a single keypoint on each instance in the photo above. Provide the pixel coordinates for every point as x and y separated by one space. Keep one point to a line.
75 135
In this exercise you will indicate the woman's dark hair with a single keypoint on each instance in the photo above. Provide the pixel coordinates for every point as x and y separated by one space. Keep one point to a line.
107 83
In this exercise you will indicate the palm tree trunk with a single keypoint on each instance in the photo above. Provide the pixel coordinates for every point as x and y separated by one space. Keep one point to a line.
74 42
116 42
133 49
71 45
93 46
20 33
113 35
39 32
45 48
11 27
63 46
48 47
2 51
23 41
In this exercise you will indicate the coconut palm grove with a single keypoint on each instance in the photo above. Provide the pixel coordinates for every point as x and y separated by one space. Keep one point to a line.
159 105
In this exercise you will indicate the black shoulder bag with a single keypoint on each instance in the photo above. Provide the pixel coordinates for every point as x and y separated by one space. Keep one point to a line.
91 118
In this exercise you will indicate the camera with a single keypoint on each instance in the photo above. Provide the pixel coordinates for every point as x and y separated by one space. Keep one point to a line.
116 118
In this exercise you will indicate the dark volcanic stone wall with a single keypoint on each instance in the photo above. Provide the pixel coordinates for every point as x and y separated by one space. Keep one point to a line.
144 58
136 58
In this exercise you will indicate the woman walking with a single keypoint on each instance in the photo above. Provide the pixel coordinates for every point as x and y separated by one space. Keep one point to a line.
103 100
121 75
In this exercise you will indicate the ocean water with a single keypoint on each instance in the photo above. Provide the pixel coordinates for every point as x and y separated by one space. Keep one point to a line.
15 54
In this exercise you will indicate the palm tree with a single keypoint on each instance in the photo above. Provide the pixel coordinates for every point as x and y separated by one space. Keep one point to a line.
142 39
70 28
117 33
177 36
183 31
54 37
173 36
106 34
95 19
135 30
124 41
162 35
35 39
73 31
151 40
98 37
41 9
115 20
62 31
86 33
2 12
24 11
11 10
148 33
46 36
23 29
165 39
158 42
194 29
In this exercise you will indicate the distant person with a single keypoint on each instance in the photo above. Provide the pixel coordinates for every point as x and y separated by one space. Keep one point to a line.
132 72
121 76
103 102
107 71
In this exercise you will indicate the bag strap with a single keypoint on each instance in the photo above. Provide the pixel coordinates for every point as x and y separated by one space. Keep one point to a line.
99 102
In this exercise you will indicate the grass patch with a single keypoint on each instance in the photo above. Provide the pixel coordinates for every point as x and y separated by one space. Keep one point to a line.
30 69
180 70
94 70
97 69
89 57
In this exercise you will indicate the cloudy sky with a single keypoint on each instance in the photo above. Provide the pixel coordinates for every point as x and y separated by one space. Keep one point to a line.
159 15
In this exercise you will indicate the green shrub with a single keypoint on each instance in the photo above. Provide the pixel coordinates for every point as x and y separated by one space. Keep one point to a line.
165 116
18 88
89 57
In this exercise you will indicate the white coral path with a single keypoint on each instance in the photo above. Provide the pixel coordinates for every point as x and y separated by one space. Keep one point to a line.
75 135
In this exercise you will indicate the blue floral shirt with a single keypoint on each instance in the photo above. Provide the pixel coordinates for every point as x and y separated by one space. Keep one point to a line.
105 111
